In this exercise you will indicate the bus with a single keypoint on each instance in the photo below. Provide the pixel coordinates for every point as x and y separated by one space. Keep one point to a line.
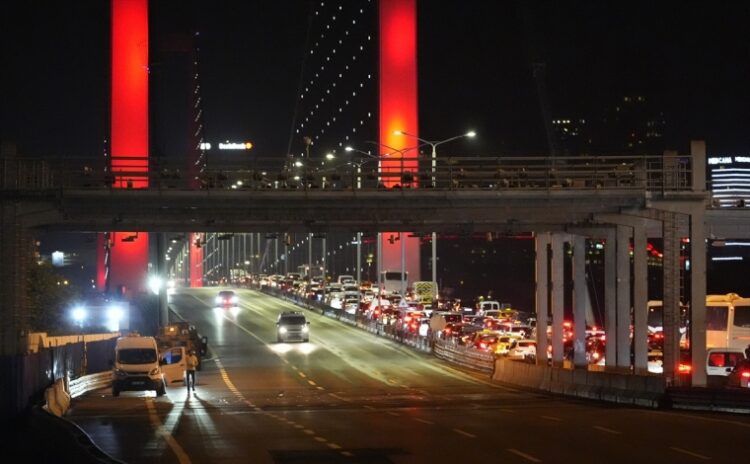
392 282
727 321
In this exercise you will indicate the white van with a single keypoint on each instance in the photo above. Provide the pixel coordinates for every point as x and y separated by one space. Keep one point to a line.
136 366
489 305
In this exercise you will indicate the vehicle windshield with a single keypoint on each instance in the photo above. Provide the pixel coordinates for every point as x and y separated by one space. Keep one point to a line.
716 317
226 293
136 355
293 320
655 316
742 316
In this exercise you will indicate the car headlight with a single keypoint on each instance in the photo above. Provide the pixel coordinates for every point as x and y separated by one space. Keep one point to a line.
217 299
305 329
235 299
154 371
119 373
282 330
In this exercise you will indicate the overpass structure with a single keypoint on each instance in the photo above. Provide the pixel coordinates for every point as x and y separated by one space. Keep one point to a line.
623 200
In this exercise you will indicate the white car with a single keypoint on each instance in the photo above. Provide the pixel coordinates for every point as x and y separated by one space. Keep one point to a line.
522 349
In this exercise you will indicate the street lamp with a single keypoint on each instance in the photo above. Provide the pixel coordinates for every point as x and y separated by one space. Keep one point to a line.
434 144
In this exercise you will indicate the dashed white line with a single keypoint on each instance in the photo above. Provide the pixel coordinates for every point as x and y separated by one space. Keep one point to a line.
311 383
302 374
466 434
528 457
424 421
394 414
552 418
320 439
605 429
690 453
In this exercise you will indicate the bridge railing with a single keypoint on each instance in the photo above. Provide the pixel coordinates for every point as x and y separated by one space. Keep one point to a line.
652 173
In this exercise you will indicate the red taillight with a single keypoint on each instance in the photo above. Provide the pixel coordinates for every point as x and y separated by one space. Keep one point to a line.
483 346
407 319
596 355
447 331
745 374
684 368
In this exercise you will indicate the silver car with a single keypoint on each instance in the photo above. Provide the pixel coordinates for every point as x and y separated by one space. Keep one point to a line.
292 326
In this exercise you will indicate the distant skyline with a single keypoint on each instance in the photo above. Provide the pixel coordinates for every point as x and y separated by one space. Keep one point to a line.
690 59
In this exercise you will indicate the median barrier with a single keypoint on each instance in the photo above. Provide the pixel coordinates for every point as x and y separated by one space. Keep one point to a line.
639 390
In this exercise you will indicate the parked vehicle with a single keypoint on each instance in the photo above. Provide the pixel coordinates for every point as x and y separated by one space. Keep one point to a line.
183 334
136 366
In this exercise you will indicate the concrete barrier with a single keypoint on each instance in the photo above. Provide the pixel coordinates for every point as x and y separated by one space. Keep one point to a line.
640 390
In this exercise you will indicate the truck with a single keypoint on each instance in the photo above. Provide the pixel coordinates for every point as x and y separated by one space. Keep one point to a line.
183 334
426 292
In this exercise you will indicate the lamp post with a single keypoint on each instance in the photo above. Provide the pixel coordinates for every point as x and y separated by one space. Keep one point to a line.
434 144
359 185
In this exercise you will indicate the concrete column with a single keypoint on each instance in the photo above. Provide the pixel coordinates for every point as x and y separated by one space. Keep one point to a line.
671 292
698 157
541 243
161 271
15 256
579 301
698 295
623 297
640 299
558 297
610 298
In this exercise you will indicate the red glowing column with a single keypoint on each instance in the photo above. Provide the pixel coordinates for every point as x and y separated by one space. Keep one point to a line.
129 133
196 261
398 111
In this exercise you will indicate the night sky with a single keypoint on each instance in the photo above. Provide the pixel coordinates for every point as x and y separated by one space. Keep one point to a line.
690 59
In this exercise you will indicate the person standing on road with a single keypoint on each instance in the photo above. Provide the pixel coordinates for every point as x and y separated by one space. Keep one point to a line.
192 364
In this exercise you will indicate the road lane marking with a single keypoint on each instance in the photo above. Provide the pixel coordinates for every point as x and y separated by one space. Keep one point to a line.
320 439
528 457
333 445
302 374
424 421
605 429
367 406
707 419
395 414
320 388
347 454
311 383
506 410
690 453
552 418
466 434
308 431
160 429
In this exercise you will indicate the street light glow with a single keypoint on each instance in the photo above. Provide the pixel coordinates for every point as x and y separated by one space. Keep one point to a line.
471 134
79 314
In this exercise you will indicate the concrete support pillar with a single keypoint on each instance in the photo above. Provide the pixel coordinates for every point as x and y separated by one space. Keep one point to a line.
359 258
698 295
579 301
671 292
640 299
558 297
610 298
623 297
16 252
541 243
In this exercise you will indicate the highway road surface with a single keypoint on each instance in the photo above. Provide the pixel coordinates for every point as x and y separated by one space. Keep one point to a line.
349 396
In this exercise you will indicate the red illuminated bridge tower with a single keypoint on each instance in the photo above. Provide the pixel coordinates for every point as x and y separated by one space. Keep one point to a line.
398 111
127 261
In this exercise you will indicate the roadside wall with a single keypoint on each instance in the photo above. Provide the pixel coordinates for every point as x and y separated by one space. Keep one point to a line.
640 390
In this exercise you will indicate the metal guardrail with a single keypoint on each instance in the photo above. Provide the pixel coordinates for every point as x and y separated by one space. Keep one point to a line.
81 385
710 399
653 173
464 356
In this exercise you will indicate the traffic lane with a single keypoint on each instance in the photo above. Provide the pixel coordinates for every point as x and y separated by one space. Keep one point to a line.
353 357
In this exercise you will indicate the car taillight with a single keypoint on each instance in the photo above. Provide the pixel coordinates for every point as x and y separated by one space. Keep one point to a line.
483 346
745 374
684 368
596 355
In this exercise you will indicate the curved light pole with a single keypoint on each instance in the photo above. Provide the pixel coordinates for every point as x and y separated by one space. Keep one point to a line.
434 144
